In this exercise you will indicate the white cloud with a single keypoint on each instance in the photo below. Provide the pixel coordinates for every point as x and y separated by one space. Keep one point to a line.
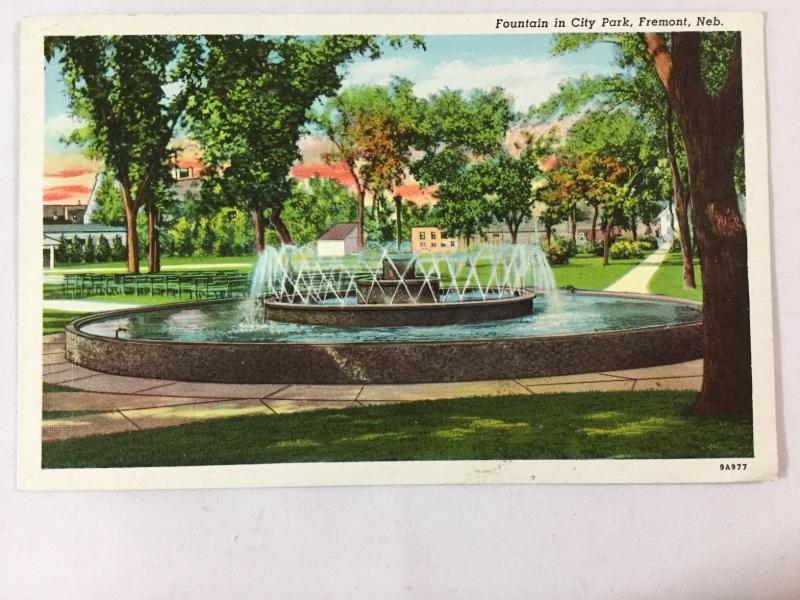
530 81
59 126
380 71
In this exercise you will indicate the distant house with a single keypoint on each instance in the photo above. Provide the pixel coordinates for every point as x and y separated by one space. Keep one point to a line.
338 240
64 211
431 239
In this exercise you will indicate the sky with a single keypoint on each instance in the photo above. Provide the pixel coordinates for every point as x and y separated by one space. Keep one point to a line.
520 63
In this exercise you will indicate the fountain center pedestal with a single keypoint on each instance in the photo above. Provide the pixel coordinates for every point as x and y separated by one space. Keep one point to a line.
399 284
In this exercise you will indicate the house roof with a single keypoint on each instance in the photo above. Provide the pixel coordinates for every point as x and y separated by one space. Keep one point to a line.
339 231
56 229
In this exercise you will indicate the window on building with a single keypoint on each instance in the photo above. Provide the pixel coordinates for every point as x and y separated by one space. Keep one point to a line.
422 245
422 236
452 243
433 235
433 244
184 173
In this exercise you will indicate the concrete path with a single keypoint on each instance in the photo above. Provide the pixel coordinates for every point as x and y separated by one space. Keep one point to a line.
87 306
636 280
114 404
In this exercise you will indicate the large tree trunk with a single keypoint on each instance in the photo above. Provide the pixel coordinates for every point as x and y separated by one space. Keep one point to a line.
574 228
680 201
360 219
398 208
711 128
634 233
607 239
131 235
513 229
153 246
258 230
279 226
593 232
549 233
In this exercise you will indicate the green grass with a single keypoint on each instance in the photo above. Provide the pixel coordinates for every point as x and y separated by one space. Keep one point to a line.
55 291
57 387
53 321
560 426
668 279
586 272
170 263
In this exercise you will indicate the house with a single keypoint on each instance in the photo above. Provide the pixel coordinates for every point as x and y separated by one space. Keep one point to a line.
431 239
64 211
338 240
665 225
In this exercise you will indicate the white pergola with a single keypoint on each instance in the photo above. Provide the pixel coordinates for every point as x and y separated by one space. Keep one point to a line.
50 244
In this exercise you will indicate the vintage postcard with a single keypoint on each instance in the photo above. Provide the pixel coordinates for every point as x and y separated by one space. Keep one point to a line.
324 250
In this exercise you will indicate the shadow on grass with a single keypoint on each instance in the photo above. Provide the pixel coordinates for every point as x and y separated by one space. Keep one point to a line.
561 426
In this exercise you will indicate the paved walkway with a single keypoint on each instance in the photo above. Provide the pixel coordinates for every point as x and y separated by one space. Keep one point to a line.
114 404
636 280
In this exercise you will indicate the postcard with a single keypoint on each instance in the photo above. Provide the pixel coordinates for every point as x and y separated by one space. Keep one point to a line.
372 249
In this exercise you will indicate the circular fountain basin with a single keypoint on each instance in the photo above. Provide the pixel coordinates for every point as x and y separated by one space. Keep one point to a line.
448 312
215 341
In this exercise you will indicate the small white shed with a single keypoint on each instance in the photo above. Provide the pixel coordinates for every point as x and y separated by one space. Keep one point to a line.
338 240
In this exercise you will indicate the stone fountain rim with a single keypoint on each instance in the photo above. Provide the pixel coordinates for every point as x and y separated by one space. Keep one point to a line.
383 362
74 326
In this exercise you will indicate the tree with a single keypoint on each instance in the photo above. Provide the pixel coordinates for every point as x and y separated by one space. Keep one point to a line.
373 130
636 86
103 252
249 115
711 124
130 91
462 209
457 132
615 161
316 205
508 183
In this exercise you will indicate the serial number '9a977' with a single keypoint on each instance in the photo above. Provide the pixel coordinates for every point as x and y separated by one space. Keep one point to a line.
733 466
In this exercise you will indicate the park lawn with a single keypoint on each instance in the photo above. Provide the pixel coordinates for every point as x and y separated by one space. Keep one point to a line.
54 321
168 263
589 425
54 291
668 279
586 272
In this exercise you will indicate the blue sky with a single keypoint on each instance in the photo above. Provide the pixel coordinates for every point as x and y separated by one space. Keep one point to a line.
520 63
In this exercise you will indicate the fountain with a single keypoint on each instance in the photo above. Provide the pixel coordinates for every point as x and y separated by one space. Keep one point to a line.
379 288
382 316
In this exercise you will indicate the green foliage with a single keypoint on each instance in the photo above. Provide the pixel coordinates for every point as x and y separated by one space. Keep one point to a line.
557 253
103 251
648 242
316 205
676 244
117 249
206 238
62 250
74 251
249 115
130 92
225 233
626 249
89 254
455 126
109 208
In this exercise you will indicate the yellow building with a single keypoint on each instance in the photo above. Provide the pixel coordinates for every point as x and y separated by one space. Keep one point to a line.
430 239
